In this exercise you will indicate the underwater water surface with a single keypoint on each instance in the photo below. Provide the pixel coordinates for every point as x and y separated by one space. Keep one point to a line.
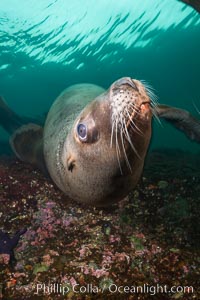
48 45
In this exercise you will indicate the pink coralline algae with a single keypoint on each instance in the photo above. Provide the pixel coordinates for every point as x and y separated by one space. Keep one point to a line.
95 272
72 244
114 239
186 269
84 251
4 259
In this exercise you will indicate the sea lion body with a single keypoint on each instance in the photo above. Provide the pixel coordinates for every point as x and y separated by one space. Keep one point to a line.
96 177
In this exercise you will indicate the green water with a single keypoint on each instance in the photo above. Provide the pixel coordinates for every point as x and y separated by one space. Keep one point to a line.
47 45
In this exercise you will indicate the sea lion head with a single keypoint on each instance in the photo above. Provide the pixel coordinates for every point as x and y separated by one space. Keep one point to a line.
105 150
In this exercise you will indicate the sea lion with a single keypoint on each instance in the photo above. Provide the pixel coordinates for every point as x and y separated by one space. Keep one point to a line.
94 141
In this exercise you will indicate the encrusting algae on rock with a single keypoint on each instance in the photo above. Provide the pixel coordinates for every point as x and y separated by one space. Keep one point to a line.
144 239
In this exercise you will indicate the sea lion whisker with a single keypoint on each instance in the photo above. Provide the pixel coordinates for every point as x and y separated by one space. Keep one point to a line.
112 131
124 150
146 83
134 108
153 102
153 105
158 120
129 139
122 140
134 112
117 146
130 121
154 99
130 124
155 114
198 111
136 127
150 91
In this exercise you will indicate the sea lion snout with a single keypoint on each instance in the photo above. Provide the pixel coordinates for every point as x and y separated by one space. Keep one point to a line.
129 101
125 81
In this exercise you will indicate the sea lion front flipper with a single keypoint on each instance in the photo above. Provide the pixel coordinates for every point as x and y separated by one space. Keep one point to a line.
27 144
11 121
181 119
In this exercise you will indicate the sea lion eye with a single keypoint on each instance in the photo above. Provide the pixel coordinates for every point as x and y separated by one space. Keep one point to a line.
82 132
87 131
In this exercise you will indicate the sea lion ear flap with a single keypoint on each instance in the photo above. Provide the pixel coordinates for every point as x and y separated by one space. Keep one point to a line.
181 119
27 144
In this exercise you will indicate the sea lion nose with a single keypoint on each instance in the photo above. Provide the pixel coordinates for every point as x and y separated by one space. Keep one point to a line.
126 81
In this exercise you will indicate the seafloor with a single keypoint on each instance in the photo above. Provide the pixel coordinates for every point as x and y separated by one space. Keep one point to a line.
151 238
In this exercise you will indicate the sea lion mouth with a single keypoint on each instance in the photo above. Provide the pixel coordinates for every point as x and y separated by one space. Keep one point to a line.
129 101
143 112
